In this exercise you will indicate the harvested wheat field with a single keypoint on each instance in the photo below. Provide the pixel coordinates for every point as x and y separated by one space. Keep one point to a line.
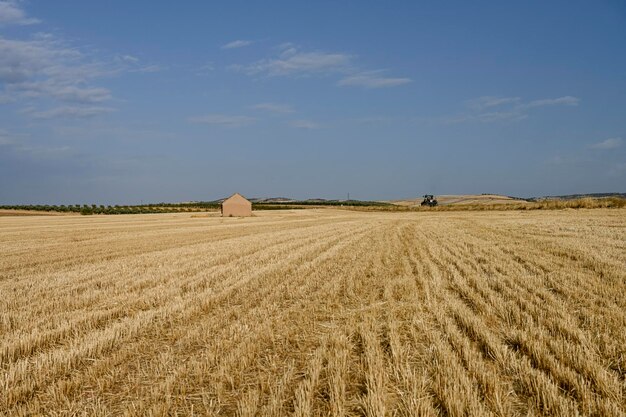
476 199
315 312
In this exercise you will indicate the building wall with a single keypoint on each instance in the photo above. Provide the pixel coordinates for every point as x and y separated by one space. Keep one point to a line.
236 206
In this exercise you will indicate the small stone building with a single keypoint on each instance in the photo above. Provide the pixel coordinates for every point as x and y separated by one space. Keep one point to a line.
236 206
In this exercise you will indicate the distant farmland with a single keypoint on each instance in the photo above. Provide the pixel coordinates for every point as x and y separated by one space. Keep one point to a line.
480 202
315 312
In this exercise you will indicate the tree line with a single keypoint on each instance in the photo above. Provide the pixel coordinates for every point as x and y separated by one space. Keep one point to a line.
87 209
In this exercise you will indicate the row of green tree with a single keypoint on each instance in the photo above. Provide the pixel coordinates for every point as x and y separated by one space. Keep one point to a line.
102 209
179 207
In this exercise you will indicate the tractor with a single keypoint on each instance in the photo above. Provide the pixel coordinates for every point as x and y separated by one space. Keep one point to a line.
429 200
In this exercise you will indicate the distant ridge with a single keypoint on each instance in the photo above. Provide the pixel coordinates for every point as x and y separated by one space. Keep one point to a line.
576 196
272 200
445 199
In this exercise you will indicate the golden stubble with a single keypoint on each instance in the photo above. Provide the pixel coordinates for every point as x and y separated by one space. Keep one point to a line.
315 313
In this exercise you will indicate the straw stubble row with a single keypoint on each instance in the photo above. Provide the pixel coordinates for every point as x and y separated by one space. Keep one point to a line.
315 313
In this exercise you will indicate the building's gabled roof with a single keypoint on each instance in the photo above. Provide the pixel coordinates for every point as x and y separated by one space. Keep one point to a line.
234 196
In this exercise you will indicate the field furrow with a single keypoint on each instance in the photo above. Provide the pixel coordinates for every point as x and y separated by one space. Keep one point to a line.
315 313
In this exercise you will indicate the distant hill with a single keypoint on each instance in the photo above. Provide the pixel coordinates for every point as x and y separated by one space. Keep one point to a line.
576 196
272 200
444 200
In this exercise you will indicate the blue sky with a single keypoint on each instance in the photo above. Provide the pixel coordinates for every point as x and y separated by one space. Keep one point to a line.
117 102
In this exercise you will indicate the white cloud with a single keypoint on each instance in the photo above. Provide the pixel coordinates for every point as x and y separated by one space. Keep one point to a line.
236 44
372 120
304 124
15 143
70 112
500 115
21 61
131 63
63 91
46 72
486 102
290 60
566 100
128 58
205 69
611 143
293 62
223 120
11 13
485 117
495 116
148 69
372 79
44 68
108 131
44 152
488 109
274 107
285 46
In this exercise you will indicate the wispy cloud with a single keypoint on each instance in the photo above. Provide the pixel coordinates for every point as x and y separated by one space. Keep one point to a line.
131 63
223 120
11 13
567 101
488 109
304 124
485 117
236 44
70 112
16 143
611 143
45 71
274 107
44 67
292 61
40 57
372 79
63 92
486 102
44 152
373 120
106 131
146 69
128 59
205 69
